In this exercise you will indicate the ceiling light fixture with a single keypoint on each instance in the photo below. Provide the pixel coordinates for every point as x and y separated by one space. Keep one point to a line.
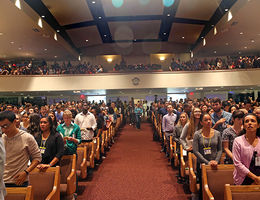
40 22
55 37
12 42
18 4
93 2
86 40
215 30
252 41
230 16
45 49
162 58
109 60
99 17
204 42
182 37
241 33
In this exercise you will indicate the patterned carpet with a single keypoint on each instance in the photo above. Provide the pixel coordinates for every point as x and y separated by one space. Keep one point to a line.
134 169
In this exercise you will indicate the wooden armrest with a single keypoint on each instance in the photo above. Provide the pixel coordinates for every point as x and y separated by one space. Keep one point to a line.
55 193
207 192
71 179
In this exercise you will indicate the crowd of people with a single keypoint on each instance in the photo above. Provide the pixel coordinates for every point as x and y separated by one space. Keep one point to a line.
242 62
209 127
206 127
28 68
123 67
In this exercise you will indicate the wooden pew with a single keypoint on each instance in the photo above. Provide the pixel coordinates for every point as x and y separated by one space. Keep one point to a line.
242 192
19 193
46 184
82 162
192 162
214 180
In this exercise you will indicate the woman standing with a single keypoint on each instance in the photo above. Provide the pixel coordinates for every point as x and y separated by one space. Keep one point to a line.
246 153
50 143
229 134
207 146
190 128
207 143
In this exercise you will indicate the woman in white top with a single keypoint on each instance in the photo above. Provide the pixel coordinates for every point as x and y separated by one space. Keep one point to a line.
190 128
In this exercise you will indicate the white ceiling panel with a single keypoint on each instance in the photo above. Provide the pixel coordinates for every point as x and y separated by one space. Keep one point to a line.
69 11
133 8
135 30
197 9
80 35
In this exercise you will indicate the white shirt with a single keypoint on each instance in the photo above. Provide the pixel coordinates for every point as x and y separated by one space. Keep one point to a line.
86 121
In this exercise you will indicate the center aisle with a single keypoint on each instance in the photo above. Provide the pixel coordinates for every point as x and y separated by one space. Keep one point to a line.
134 169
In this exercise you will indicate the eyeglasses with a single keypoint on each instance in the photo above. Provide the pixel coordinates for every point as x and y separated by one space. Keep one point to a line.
5 126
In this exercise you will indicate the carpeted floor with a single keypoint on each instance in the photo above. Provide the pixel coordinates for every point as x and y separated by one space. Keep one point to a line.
134 169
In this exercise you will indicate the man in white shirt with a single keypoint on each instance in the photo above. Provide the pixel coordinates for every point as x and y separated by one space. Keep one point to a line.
87 123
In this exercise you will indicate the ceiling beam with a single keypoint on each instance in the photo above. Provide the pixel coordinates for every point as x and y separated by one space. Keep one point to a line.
216 17
135 18
167 19
99 17
39 7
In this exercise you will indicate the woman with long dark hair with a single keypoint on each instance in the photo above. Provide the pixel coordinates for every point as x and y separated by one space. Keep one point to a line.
50 143
246 153
34 124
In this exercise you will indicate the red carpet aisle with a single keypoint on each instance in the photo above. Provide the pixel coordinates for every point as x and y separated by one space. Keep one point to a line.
134 169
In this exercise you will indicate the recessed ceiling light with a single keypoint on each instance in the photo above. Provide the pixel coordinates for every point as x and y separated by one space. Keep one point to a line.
241 33
86 40
12 42
45 49
182 37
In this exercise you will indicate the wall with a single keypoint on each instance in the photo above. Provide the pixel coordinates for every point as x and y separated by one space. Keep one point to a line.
131 80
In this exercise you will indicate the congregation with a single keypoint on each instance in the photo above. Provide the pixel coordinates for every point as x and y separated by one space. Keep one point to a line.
198 126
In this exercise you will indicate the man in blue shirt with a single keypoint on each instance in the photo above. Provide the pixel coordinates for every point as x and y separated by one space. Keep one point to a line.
220 118
138 114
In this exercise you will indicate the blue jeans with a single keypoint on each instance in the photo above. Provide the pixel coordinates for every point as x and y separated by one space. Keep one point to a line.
138 121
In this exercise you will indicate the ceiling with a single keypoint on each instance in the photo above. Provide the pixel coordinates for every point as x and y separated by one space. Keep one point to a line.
94 27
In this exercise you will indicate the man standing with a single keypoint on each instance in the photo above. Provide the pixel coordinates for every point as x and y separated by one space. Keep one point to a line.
220 118
20 146
138 114
168 123
87 123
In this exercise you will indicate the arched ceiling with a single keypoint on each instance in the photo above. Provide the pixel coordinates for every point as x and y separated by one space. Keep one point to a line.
87 26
